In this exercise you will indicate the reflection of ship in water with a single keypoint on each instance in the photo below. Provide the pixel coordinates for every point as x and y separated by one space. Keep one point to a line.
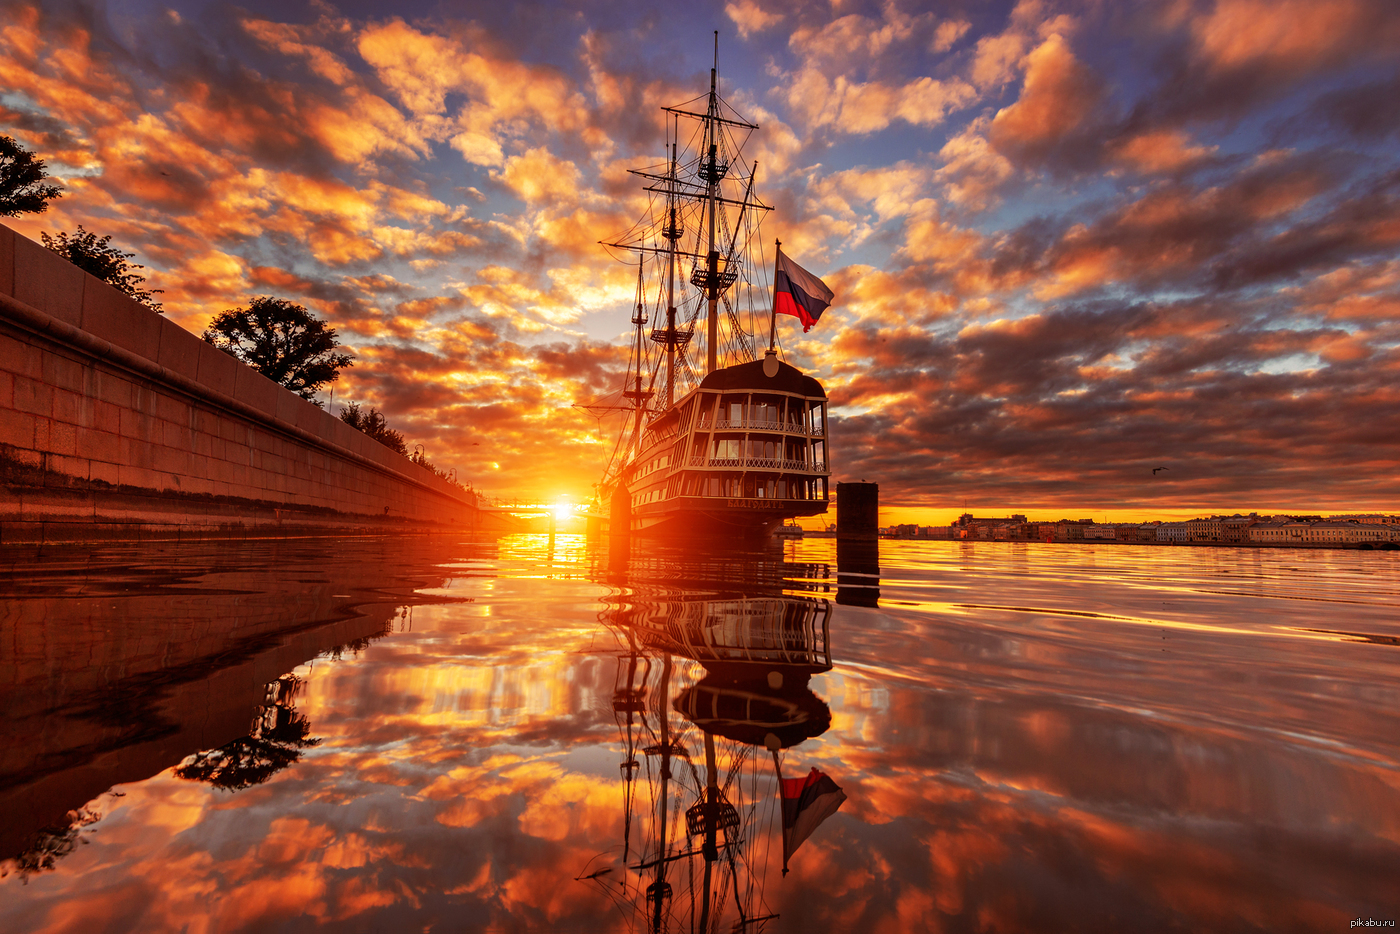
708 779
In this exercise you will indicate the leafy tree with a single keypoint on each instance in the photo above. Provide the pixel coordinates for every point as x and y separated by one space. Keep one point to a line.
21 178
106 262
282 341
373 423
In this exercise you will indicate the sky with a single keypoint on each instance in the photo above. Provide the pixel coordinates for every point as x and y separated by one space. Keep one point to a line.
1070 242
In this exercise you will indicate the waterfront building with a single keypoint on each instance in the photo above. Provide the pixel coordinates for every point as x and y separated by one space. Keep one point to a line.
1370 518
1235 529
1211 529
1175 532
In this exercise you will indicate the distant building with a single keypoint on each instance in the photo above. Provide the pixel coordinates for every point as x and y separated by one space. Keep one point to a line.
1206 530
1175 532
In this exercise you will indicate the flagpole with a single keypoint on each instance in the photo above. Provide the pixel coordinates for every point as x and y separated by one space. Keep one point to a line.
773 319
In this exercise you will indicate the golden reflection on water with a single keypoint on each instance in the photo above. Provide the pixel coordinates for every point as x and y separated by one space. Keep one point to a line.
384 735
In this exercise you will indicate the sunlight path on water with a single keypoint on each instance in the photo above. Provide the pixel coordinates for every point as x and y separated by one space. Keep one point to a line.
436 735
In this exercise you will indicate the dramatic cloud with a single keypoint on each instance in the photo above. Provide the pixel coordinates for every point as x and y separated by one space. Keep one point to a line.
1066 238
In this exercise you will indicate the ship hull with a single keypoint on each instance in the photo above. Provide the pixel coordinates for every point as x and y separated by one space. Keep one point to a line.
738 456
741 518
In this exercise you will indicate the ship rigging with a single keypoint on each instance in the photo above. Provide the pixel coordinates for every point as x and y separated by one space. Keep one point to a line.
740 446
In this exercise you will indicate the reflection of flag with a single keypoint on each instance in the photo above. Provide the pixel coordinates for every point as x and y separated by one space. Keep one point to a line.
806 803
798 293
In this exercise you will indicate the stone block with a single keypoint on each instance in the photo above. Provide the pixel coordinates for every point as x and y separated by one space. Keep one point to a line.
172 409
119 319
327 427
63 438
112 389
19 357
74 467
136 425
179 349
7 260
33 396
170 460
206 422
142 478
137 453
309 418
175 435
105 416
233 431
7 390
104 472
252 388
48 282
62 372
217 369
67 407
288 406
17 428
98 445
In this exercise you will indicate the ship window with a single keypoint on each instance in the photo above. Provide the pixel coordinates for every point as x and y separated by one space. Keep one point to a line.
728 448
765 411
760 448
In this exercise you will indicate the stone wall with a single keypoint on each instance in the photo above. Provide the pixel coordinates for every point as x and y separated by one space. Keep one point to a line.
116 422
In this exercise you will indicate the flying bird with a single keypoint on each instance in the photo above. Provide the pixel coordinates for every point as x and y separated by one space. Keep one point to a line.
1155 469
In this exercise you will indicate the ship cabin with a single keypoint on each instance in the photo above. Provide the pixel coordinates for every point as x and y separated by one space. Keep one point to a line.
741 440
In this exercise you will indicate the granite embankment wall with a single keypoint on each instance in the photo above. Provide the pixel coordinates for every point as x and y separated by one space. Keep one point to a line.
116 422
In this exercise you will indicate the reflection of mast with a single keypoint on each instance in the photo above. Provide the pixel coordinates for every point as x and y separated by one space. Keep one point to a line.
660 890
630 700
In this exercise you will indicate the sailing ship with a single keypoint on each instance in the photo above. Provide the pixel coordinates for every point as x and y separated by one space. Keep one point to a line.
743 447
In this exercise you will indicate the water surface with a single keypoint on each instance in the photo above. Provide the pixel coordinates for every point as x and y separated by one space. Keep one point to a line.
419 734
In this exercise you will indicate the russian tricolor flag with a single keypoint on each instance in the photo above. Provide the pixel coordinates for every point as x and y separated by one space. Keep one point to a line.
798 293
806 803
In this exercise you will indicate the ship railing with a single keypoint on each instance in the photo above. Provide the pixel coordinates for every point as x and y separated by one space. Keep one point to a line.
773 463
761 424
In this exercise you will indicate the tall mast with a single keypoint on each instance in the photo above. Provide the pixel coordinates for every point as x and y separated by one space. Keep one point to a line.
671 283
636 393
712 177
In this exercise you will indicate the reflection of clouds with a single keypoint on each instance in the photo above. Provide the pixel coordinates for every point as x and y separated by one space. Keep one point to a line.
1006 769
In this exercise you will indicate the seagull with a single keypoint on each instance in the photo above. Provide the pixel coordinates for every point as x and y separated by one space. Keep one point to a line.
1155 469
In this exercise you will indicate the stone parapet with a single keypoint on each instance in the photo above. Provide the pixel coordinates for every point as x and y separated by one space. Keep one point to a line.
117 422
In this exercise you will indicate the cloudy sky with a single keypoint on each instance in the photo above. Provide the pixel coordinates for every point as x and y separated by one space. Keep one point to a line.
1070 242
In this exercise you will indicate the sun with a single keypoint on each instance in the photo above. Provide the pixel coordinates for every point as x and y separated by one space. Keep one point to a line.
563 511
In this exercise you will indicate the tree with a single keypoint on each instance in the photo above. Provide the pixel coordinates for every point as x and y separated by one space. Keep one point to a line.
106 262
373 423
282 341
21 177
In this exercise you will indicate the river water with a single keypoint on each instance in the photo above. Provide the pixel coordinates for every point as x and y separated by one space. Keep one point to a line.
432 735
